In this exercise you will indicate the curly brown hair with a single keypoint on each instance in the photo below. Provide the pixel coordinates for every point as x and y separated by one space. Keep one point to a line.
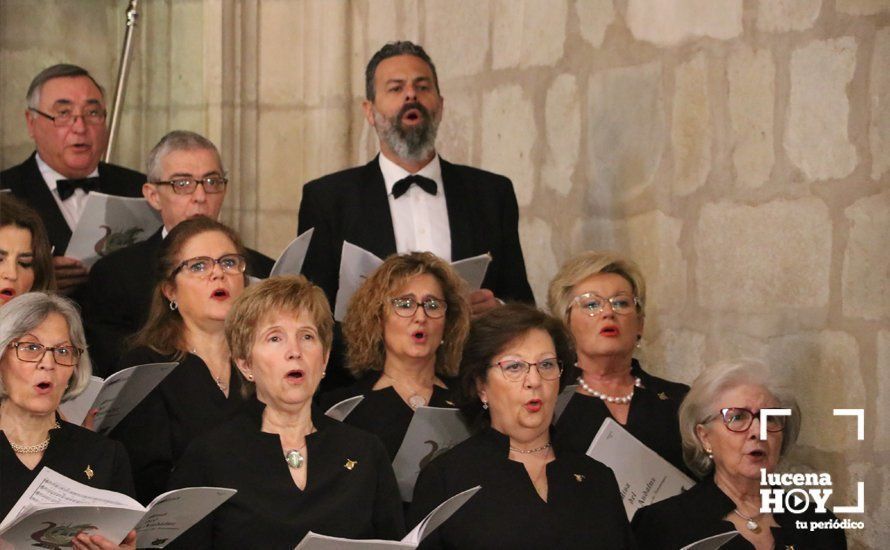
363 325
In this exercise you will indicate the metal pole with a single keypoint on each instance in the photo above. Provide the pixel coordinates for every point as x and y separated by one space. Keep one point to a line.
132 18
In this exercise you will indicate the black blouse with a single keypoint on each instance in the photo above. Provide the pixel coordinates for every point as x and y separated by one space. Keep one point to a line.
383 412
350 492
583 508
698 513
652 418
74 452
186 404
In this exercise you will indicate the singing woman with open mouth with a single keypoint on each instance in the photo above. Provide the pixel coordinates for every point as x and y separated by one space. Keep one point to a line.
534 494
405 330
201 265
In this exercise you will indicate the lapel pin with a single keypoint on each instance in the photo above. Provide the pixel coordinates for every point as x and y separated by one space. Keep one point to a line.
89 472
579 478
663 396
350 464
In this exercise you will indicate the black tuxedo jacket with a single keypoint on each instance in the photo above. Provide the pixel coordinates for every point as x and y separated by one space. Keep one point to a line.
27 183
118 297
352 206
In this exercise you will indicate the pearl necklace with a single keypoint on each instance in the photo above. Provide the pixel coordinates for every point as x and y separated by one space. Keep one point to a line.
623 400
749 522
33 449
530 451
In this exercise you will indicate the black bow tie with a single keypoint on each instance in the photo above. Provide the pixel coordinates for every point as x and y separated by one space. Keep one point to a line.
66 187
401 186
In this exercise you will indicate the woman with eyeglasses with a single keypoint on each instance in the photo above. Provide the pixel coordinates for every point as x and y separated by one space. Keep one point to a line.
404 330
42 363
720 425
534 494
601 296
201 264
25 254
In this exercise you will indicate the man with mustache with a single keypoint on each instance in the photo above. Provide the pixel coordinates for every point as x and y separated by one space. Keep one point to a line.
66 119
408 198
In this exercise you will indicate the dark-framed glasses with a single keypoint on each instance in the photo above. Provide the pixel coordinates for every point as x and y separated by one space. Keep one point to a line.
593 304
516 369
91 115
737 419
231 264
406 306
33 352
187 186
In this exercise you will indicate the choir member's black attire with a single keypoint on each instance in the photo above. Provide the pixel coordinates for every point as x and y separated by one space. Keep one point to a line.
652 418
383 412
583 508
350 491
74 452
186 404
698 513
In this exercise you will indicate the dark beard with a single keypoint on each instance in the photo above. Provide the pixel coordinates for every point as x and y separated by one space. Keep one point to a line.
414 143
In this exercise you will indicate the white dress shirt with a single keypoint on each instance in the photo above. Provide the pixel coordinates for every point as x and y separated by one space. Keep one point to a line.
419 220
72 208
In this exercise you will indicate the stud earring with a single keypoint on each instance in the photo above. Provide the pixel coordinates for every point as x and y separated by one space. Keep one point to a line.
485 405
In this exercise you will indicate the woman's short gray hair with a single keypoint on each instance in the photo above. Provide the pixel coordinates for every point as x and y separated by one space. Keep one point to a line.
700 403
25 313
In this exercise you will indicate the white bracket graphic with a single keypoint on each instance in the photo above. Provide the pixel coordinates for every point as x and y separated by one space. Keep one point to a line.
860 420
766 413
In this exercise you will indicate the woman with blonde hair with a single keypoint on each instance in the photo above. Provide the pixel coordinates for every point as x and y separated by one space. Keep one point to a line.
601 296
405 329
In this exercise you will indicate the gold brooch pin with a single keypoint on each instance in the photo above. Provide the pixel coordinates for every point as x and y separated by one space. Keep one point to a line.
579 478
89 472
663 396
350 464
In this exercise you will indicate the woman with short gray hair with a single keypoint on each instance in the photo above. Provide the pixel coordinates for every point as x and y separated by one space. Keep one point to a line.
43 361
720 428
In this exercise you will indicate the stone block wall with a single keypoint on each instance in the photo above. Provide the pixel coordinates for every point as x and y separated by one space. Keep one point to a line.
739 150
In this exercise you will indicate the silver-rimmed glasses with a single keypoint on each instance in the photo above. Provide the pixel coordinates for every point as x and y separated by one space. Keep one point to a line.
593 304
515 370
407 305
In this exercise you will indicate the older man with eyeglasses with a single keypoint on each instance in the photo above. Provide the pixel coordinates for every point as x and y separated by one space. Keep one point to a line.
66 119
185 179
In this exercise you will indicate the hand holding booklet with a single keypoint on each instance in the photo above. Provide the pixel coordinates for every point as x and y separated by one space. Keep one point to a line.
314 541
115 396
643 475
54 509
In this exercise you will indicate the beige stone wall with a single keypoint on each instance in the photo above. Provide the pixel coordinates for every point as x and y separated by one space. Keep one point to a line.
738 149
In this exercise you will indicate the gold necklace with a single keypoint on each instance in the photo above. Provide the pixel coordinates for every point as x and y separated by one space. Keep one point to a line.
33 449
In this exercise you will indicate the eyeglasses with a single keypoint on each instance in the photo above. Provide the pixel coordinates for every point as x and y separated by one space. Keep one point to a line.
231 264
188 186
33 352
592 304
90 115
737 419
515 369
406 306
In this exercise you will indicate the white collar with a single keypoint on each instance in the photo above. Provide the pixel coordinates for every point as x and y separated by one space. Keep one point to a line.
50 176
392 172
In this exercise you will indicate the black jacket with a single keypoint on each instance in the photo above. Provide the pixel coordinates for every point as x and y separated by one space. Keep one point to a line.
74 452
350 488
27 183
352 206
583 508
